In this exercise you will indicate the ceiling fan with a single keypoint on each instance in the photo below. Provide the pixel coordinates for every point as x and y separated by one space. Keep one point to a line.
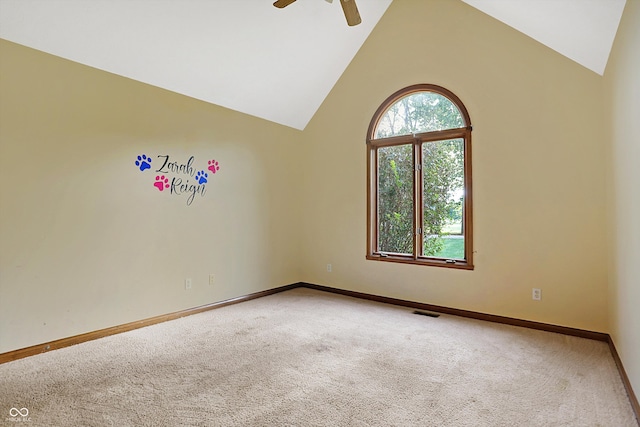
348 6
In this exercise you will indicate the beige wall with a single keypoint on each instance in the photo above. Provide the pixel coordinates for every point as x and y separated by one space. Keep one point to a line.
622 80
88 242
538 173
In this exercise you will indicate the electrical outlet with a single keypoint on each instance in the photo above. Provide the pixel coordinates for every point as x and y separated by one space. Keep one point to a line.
212 279
187 284
536 294
329 268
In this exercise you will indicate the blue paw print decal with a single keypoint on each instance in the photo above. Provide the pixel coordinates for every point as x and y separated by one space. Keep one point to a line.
143 162
201 177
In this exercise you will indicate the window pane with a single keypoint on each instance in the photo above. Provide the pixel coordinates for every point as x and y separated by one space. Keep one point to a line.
443 198
395 199
417 113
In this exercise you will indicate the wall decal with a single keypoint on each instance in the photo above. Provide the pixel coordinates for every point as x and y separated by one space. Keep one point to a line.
175 175
201 177
161 183
213 166
143 162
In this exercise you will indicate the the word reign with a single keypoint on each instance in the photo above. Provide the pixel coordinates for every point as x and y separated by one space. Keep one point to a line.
178 187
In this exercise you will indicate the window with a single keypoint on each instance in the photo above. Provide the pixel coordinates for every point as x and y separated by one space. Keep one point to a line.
419 179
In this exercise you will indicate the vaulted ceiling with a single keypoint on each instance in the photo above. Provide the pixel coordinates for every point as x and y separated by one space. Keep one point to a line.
246 55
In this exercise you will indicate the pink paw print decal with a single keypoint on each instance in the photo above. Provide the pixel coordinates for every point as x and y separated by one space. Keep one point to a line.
213 166
161 182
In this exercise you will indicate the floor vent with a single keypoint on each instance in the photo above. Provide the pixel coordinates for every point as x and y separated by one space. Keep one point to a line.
424 313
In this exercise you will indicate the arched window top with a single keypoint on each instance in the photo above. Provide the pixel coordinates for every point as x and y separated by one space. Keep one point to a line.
418 109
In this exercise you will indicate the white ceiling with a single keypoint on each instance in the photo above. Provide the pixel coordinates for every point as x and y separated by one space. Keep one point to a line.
582 30
246 55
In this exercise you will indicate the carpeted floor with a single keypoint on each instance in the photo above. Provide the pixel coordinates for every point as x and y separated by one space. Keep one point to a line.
309 358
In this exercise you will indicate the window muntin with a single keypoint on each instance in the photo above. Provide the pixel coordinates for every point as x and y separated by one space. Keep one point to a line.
419 187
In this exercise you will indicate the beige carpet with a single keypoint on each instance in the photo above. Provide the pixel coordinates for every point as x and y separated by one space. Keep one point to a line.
309 358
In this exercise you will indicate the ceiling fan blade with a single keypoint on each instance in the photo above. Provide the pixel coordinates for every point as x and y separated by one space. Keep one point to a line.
351 12
283 3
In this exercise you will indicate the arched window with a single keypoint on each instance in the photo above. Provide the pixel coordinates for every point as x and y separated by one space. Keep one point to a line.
419 179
